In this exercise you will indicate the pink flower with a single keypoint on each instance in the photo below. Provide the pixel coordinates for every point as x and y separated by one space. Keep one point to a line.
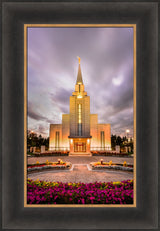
83 201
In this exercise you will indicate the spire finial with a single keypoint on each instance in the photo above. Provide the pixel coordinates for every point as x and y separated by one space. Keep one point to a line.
79 76
79 59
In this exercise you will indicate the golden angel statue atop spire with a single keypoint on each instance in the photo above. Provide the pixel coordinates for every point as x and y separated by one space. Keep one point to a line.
79 59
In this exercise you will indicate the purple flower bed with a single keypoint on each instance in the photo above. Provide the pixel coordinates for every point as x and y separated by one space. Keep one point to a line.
40 192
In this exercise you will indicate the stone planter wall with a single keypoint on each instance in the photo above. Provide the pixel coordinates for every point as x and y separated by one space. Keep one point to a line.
116 167
49 167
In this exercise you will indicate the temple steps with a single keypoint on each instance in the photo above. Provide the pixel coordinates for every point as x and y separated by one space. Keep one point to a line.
80 154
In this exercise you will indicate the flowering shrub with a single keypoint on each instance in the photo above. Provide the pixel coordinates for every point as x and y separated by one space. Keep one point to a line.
47 162
52 153
40 192
110 165
36 165
60 165
125 164
109 153
59 162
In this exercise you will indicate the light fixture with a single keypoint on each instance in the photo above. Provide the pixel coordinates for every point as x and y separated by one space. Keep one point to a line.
79 96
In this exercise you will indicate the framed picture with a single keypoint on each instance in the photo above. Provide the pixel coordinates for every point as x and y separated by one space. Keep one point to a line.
78 136
21 21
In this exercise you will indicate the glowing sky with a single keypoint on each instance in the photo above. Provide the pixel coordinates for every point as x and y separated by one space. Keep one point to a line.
107 71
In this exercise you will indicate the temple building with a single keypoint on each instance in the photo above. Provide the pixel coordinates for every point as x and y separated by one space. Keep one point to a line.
80 131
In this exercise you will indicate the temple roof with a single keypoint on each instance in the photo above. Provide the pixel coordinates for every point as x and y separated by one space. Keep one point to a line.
79 76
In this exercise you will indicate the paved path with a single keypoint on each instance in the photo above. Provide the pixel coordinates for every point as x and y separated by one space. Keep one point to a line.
80 172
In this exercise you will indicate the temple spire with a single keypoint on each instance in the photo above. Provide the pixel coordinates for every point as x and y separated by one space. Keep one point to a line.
79 76
79 59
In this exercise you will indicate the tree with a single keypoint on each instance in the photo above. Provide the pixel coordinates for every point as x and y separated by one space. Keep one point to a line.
119 141
113 141
122 142
36 141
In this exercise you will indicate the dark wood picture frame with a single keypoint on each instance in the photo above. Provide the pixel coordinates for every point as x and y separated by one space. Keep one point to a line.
88 26
14 16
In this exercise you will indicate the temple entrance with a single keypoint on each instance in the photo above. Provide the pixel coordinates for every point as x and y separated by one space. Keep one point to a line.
79 146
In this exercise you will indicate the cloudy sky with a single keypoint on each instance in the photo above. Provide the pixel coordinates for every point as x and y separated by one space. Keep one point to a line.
107 71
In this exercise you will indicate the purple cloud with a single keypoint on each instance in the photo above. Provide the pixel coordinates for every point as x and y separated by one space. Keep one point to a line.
107 70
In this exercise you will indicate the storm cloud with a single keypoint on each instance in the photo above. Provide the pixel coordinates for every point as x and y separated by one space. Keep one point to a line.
107 71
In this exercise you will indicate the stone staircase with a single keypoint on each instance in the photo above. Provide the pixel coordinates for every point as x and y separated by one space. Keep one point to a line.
80 154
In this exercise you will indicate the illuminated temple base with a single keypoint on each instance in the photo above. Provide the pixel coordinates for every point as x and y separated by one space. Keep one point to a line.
99 139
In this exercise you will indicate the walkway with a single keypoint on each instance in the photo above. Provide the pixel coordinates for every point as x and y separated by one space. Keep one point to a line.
81 171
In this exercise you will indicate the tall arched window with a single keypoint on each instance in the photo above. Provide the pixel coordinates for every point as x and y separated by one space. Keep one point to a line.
102 140
79 119
57 139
